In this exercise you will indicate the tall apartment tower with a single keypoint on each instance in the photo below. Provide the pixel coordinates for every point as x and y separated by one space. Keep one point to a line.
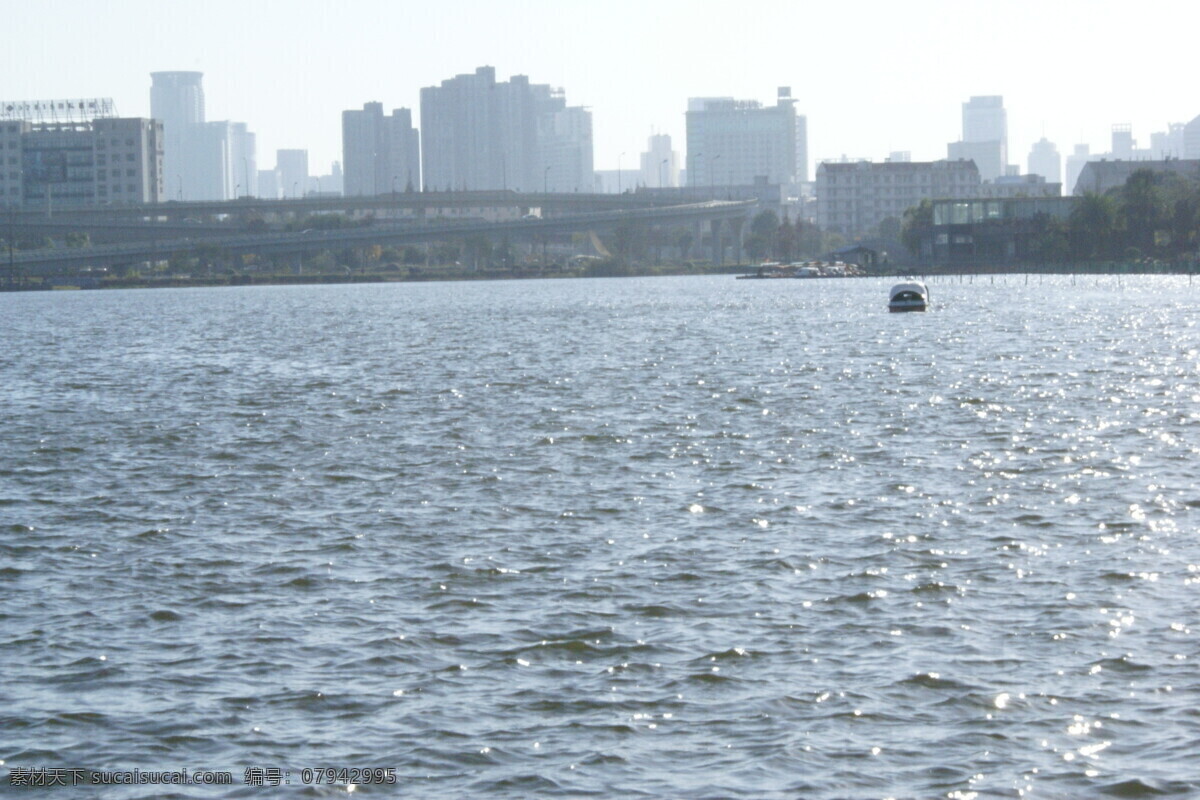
984 136
177 100
737 141
381 153
483 134
1044 160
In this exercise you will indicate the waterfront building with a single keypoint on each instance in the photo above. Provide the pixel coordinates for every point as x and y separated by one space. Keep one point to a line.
483 134
381 153
734 142
984 136
56 154
660 163
992 231
1100 176
854 197
1044 160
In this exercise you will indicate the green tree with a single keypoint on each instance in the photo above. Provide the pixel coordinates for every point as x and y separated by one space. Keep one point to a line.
810 241
1143 211
889 229
1185 223
1092 227
786 241
1049 242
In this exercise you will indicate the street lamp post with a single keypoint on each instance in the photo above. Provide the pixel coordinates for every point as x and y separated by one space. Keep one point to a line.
294 185
394 178
180 179
619 172
661 164
246 174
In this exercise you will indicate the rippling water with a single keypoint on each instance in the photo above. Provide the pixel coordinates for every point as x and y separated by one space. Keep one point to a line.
684 537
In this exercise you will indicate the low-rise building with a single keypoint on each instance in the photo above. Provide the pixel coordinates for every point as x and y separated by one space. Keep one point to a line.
1098 177
70 159
854 197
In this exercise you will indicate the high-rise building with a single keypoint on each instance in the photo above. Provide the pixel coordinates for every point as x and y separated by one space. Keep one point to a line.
243 149
1044 160
177 100
1122 141
381 152
660 163
1075 163
985 120
1191 139
1167 144
268 184
482 134
733 142
984 136
291 166
201 160
84 157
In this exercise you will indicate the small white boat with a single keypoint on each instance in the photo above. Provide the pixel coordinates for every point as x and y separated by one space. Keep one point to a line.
908 296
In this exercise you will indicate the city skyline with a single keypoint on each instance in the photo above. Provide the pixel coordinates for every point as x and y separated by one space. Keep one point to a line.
895 83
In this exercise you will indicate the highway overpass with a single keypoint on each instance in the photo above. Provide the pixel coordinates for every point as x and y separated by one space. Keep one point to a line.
725 220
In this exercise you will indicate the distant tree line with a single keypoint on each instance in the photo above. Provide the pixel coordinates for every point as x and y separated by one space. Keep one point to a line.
770 238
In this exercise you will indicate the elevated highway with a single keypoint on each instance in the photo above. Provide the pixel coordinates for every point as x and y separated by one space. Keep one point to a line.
720 215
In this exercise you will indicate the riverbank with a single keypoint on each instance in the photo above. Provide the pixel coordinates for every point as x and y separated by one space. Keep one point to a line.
433 274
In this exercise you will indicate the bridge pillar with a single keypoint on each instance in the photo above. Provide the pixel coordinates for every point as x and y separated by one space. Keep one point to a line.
735 229
718 242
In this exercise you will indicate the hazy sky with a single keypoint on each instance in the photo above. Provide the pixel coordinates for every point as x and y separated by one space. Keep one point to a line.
872 77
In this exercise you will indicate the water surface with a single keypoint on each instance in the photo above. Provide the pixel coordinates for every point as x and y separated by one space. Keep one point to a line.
679 537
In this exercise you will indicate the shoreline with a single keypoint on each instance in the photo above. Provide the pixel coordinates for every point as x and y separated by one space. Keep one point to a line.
82 283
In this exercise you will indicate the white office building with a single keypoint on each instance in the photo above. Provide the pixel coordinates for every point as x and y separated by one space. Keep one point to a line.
733 142
660 163
854 197
984 136
59 154
1044 160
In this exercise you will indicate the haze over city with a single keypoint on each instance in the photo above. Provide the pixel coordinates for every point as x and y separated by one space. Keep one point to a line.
871 78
